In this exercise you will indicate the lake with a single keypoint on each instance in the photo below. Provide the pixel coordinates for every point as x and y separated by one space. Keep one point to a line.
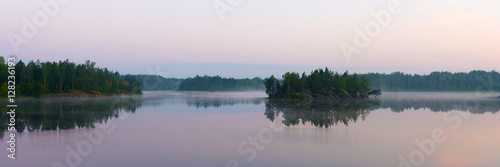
176 129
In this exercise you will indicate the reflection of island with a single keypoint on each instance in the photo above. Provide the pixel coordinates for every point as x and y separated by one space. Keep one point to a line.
58 114
62 114
319 113
329 113
219 102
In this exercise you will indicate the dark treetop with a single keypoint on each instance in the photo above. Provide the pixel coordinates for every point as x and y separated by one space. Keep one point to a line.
40 78
217 83
320 84
436 81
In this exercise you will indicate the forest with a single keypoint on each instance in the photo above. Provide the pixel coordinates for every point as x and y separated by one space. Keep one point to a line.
45 78
156 82
436 81
319 84
397 81
37 79
217 83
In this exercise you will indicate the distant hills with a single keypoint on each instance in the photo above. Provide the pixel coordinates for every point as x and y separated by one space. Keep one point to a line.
477 80
156 82
200 83
436 81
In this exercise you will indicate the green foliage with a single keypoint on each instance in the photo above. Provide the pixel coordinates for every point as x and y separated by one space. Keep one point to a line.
3 89
131 85
292 85
436 81
375 92
156 82
320 84
272 86
217 83
39 78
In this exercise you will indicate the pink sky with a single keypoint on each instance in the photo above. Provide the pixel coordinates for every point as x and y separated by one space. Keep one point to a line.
428 35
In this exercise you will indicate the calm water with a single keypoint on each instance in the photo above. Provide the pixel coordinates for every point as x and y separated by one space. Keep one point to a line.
176 129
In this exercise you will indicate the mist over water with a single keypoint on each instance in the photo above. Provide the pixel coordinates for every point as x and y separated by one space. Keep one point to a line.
206 129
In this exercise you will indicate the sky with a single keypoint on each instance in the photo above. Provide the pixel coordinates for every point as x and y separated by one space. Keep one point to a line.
185 38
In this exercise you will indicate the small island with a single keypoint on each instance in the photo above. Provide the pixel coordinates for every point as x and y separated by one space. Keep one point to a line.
320 84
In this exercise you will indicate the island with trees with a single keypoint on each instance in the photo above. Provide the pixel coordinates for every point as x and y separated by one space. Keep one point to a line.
65 78
319 84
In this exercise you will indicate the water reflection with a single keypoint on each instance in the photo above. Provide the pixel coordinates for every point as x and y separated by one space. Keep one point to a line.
61 114
473 105
329 113
201 102
320 113
204 99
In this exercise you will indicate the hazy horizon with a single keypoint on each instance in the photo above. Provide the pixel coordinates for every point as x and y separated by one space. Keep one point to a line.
241 70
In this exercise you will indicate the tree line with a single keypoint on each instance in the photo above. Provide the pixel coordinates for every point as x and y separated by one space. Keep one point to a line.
40 78
437 81
217 83
156 82
319 84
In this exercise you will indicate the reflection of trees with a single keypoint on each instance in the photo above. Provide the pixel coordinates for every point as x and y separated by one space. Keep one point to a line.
329 113
58 114
202 99
219 102
319 113
476 106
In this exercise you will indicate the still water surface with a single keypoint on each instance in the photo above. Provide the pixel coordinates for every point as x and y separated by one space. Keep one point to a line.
176 129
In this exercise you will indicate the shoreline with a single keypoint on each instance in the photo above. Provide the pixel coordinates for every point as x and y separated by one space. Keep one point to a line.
76 94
